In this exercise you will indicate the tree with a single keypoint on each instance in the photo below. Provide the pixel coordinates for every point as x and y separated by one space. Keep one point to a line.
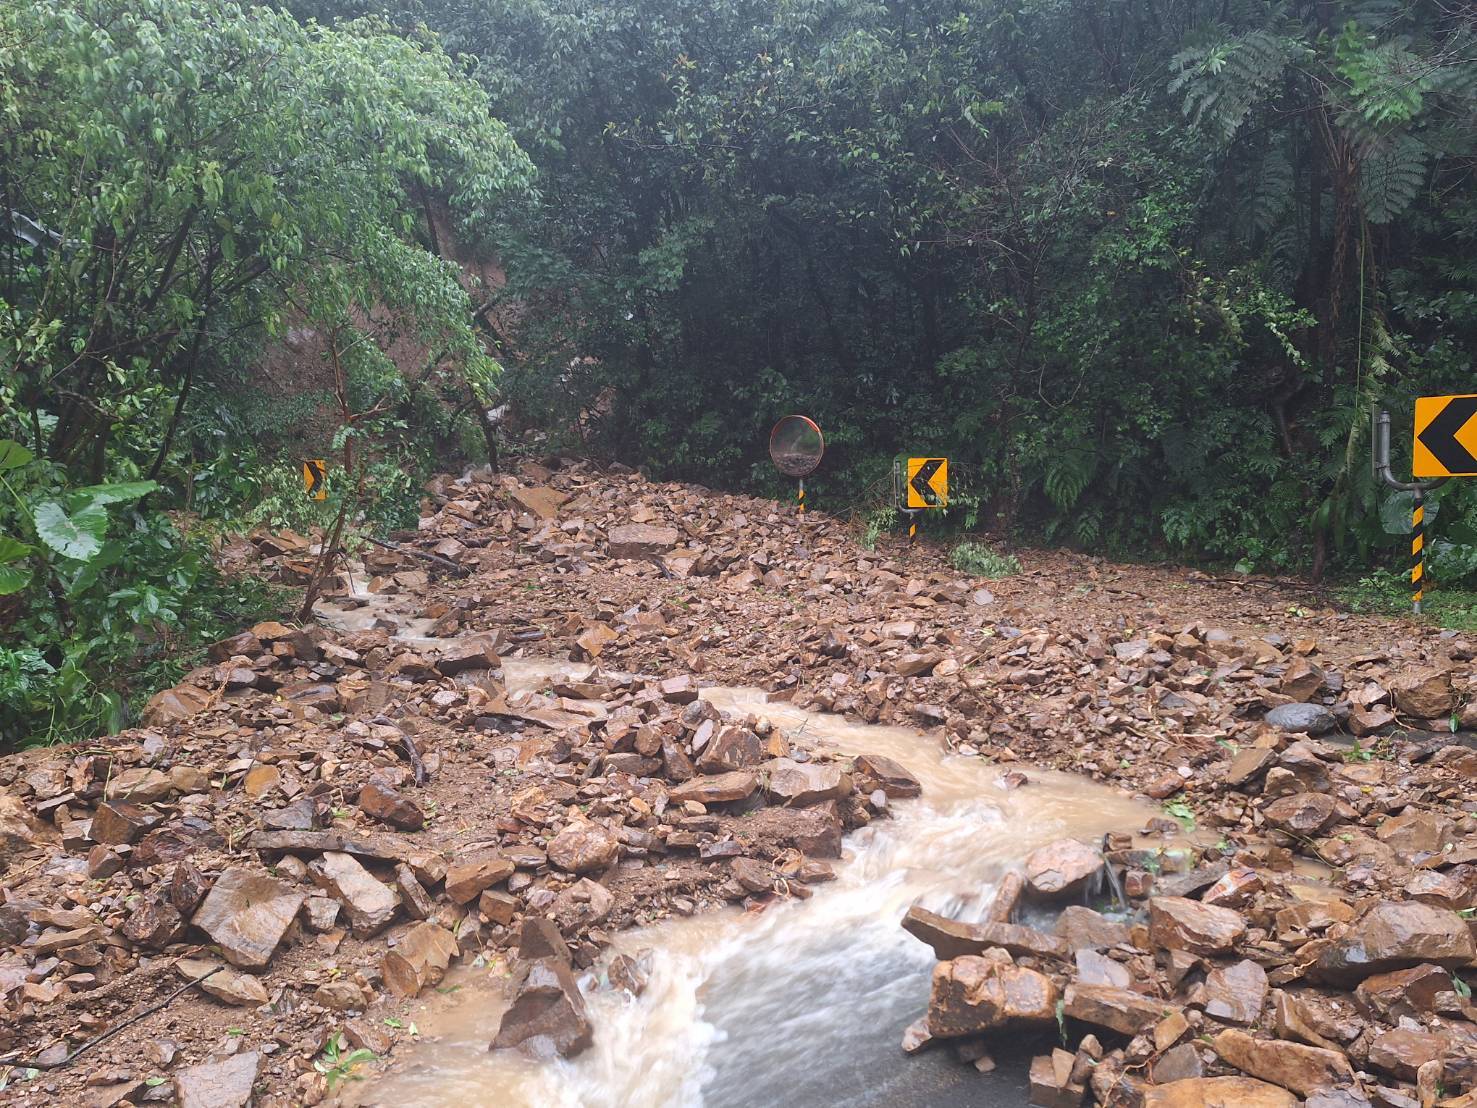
176 172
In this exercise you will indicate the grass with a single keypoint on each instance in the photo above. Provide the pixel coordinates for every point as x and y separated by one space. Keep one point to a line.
1387 593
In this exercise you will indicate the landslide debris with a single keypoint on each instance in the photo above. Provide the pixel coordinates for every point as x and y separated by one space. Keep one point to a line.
324 821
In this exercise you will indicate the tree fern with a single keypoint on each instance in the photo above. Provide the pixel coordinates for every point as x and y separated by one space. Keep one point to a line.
1273 192
1067 477
1391 174
1285 253
1224 78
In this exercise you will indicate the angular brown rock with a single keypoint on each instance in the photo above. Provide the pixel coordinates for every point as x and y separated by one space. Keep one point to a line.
547 1017
1302 1069
1177 923
973 994
1063 868
380 801
419 959
583 848
247 914
1393 936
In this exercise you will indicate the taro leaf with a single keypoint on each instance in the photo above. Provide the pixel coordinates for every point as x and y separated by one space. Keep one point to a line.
13 576
78 535
12 550
13 455
119 493
1395 513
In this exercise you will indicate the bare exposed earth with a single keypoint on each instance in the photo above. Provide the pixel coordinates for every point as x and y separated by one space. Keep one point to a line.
317 825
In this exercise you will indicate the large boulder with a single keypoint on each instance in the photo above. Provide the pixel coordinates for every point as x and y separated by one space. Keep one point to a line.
1178 923
419 959
369 902
1424 693
1307 719
878 772
547 1017
800 784
246 914
1236 993
975 993
1302 814
1302 1069
20 831
584 848
1394 936
1063 869
733 748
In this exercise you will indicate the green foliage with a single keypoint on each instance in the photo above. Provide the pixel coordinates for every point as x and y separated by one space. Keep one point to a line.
1387 592
113 602
993 233
1181 813
338 1063
979 560
186 175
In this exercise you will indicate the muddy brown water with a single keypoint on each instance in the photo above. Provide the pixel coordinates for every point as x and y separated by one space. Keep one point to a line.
802 1004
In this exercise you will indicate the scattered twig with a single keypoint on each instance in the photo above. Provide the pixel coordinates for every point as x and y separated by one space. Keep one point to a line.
110 1032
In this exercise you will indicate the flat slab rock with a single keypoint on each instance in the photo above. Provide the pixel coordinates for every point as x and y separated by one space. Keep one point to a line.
225 1084
1394 936
246 914
1218 1092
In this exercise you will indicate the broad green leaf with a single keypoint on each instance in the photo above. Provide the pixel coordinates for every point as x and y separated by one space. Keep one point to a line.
120 493
12 550
13 455
13 578
78 535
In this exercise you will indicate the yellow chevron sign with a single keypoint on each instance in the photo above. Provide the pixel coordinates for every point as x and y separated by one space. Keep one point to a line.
927 484
315 478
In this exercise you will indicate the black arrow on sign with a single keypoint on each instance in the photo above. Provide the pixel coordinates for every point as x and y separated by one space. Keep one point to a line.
923 476
1440 434
315 476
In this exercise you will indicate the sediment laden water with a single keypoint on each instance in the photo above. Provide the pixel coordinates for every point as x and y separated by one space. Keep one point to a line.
801 1004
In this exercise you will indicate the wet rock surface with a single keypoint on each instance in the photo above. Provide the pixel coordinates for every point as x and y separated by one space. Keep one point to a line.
342 813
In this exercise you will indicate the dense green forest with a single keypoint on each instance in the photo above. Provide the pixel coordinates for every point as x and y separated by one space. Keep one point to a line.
1138 267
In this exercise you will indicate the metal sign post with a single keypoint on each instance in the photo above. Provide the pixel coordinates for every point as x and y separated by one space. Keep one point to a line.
1379 445
796 447
919 484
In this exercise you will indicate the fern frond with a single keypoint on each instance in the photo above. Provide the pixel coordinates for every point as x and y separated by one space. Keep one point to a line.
1223 79
1392 172
1067 477
1274 189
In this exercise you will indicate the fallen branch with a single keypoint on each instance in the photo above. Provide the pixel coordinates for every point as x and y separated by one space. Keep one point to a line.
110 1032
447 563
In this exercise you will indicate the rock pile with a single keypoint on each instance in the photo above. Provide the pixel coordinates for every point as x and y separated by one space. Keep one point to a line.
319 824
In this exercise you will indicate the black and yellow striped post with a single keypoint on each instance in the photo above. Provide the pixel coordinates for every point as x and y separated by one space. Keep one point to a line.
1417 550
912 527
800 497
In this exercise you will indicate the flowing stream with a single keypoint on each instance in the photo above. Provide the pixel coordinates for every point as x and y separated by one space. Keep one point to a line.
802 1004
